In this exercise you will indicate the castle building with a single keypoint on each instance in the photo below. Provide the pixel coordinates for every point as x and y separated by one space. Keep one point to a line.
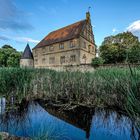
70 45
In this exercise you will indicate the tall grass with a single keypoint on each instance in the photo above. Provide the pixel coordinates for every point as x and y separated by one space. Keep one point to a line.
115 87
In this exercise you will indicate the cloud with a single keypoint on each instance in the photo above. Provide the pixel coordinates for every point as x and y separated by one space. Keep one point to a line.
26 39
12 18
134 28
18 39
4 38
114 30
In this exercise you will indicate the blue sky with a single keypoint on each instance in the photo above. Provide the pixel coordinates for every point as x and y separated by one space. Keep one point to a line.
23 21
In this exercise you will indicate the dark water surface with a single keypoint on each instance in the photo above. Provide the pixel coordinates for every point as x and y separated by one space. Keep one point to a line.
37 123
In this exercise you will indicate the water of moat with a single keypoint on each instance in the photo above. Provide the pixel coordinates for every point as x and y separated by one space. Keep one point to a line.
40 123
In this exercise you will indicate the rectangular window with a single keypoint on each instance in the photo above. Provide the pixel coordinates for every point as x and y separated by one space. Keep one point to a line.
62 59
51 48
73 58
72 44
51 60
61 46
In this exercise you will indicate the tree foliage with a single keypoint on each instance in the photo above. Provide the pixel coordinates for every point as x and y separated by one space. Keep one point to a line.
97 61
120 48
9 57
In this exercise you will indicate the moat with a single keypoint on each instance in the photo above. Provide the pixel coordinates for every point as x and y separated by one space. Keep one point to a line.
46 123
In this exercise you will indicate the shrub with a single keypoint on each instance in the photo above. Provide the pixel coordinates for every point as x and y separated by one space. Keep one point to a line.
97 61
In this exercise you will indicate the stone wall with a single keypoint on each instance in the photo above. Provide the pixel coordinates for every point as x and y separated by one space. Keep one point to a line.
82 68
89 68
119 65
27 63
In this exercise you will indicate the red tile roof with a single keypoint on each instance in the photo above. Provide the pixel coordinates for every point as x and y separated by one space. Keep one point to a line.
66 33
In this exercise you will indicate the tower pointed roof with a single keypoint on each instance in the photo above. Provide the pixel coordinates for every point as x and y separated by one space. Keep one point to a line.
27 54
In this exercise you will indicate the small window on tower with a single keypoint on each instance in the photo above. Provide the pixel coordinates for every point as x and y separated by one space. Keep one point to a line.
36 61
35 51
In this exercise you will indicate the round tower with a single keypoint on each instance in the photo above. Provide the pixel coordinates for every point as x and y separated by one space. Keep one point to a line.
27 59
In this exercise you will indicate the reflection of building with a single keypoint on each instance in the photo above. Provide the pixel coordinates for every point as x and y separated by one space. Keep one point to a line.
71 45
82 121
2 105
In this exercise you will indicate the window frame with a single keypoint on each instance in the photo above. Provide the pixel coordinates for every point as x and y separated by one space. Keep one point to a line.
61 46
51 60
62 59
73 58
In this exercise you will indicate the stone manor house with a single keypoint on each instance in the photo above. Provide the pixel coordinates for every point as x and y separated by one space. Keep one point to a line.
70 45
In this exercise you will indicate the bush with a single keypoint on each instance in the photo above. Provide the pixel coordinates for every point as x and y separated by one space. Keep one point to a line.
97 61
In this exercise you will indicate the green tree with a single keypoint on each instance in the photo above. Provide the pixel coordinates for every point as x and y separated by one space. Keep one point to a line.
134 54
116 49
97 61
9 57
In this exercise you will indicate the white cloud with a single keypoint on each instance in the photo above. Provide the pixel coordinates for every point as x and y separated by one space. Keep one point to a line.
26 39
114 30
19 39
134 28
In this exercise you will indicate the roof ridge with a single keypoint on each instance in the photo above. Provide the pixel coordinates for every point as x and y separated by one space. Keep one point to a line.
62 34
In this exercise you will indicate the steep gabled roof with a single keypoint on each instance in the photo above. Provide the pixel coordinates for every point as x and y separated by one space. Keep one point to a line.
27 54
66 33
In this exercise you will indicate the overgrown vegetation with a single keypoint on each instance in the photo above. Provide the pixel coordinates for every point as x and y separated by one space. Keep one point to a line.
115 88
9 57
121 48
97 61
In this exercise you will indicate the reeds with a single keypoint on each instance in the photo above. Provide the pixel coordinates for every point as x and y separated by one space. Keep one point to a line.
110 87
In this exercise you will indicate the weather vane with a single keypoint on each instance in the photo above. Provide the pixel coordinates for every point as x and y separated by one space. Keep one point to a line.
89 9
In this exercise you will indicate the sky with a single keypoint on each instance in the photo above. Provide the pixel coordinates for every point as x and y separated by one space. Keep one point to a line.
29 21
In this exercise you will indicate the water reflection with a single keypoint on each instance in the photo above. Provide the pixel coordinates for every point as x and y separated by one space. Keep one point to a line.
31 120
2 105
